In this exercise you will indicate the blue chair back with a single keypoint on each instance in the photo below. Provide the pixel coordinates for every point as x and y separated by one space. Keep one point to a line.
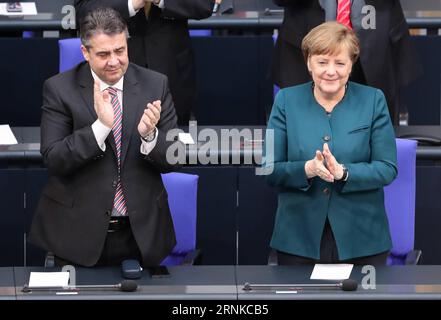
70 53
399 199
28 34
182 200
200 33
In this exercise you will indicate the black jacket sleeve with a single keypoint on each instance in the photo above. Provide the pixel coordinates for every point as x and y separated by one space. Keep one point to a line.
180 9
84 6
188 9
63 149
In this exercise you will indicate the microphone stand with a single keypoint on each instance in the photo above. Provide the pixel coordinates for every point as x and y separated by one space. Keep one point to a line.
26 287
295 287
268 11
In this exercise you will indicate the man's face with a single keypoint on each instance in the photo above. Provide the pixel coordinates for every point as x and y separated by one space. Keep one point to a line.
107 56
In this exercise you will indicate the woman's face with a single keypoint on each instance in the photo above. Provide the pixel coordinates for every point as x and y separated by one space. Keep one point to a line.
330 73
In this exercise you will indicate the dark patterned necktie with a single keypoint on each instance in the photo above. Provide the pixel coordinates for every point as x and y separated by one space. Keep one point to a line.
119 203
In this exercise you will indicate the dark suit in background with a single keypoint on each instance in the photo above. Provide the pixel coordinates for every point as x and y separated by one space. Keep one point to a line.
387 59
73 214
162 43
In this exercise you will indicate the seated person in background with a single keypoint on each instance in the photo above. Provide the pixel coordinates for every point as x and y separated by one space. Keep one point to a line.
334 151
103 140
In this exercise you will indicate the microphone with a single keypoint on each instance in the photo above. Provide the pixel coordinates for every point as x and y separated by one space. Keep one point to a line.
345 285
125 286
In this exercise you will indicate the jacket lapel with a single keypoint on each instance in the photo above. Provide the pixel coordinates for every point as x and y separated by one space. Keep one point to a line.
130 110
330 8
357 14
85 81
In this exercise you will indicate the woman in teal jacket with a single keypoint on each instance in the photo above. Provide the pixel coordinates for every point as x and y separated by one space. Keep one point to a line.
334 151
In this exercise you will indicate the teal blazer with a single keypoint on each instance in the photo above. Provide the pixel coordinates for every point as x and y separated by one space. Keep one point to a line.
360 135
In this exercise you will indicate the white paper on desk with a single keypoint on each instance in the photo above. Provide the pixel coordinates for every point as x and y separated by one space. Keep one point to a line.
331 271
6 135
28 8
185 138
49 279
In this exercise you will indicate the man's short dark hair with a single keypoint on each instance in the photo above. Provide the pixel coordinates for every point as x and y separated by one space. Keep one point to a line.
101 20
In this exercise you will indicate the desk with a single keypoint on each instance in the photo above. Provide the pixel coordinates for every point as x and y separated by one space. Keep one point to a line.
392 283
192 282
28 149
7 284
226 283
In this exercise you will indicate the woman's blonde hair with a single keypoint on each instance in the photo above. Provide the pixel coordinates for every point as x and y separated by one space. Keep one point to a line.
330 38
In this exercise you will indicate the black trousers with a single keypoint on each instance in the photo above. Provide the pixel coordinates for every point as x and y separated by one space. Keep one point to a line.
120 245
329 254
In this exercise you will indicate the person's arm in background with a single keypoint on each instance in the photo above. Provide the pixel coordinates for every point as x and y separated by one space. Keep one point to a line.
382 168
188 9
122 6
179 9
285 3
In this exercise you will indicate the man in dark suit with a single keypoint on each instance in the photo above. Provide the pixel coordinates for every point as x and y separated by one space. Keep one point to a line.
159 40
103 140
387 59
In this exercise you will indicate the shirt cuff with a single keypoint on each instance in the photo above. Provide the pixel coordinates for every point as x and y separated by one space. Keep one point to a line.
147 147
132 10
100 131
161 4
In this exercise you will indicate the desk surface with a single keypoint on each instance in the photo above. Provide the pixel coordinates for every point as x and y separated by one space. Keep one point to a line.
217 146
7 284
192 282
28 149
246 14
396 283
227 282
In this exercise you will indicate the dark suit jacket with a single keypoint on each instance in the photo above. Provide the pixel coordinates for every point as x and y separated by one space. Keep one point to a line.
73 214
360 136
162 43
387 57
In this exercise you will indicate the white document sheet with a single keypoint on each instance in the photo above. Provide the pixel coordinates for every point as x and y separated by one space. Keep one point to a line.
28 9
331 271
6 135
49 279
